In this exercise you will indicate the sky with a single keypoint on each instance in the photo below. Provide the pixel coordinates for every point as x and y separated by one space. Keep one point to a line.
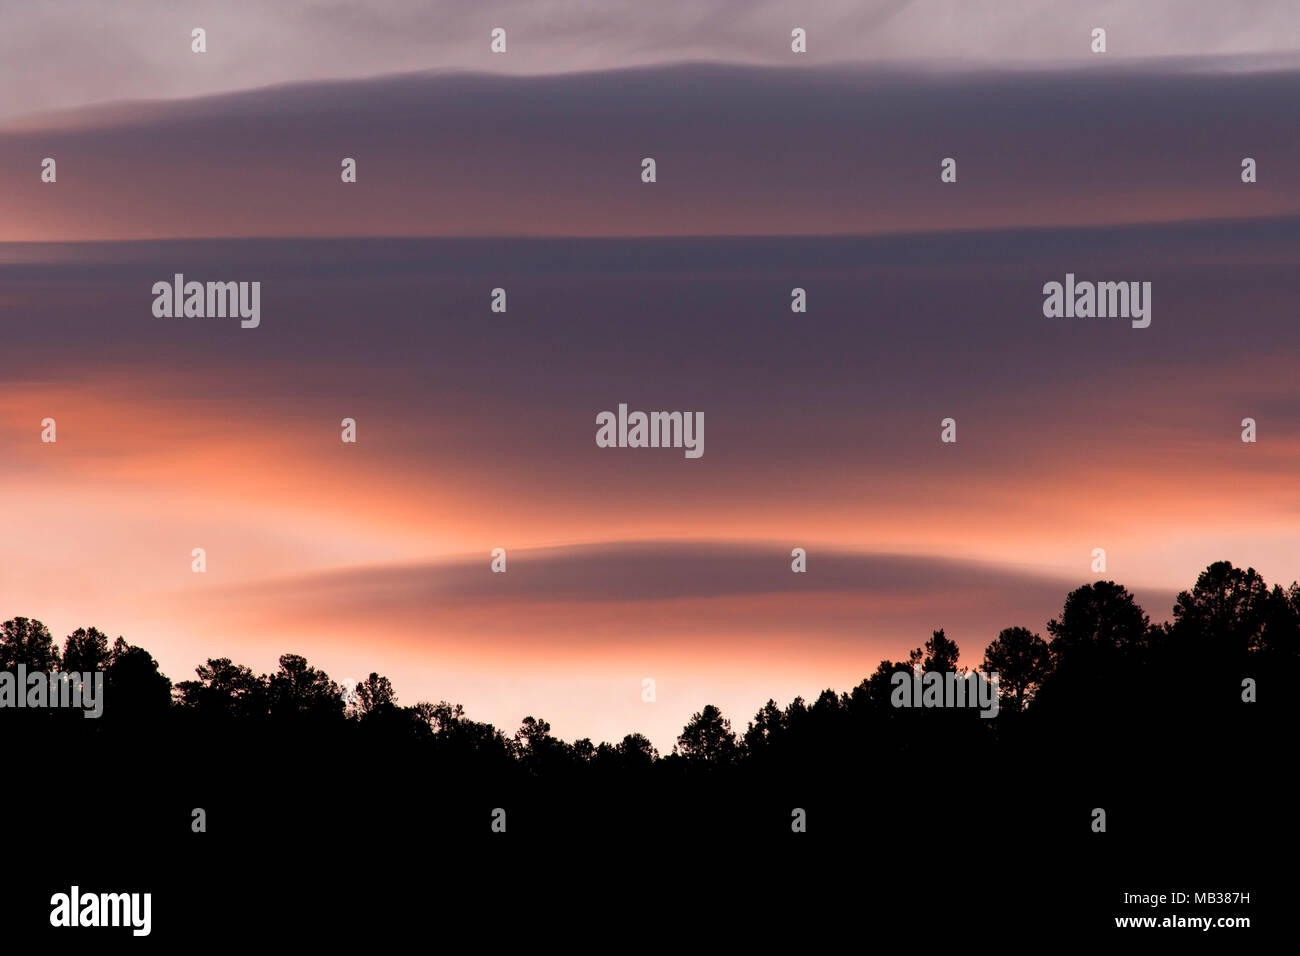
73 52
738 151
476 429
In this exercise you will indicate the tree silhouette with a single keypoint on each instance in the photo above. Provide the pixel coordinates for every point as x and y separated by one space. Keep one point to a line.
940 654
85 650
224 689
1279 640
764 733
1224 613
1102 639
1106 670
374 693
24 641
1022 661
538 750
637 751
1150 723
133 685
298 689
442 716
532 733
1099 622
708 738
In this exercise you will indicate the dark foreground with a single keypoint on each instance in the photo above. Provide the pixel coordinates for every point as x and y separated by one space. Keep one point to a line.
339 844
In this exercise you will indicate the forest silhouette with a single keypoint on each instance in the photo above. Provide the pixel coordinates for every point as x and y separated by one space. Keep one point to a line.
1105 710
1102 681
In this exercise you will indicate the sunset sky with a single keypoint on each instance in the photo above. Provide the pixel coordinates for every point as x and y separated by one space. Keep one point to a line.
476 430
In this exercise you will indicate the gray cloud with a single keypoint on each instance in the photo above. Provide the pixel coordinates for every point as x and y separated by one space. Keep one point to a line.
63 54
741 150
940 589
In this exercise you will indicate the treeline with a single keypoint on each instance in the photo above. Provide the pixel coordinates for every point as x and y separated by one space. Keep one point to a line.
1102 664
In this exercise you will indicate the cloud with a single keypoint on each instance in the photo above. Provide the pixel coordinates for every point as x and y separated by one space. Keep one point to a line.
730 591
642 571
479 433
69 53
740 151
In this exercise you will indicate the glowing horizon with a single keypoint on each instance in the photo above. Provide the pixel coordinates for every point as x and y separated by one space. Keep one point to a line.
476 429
